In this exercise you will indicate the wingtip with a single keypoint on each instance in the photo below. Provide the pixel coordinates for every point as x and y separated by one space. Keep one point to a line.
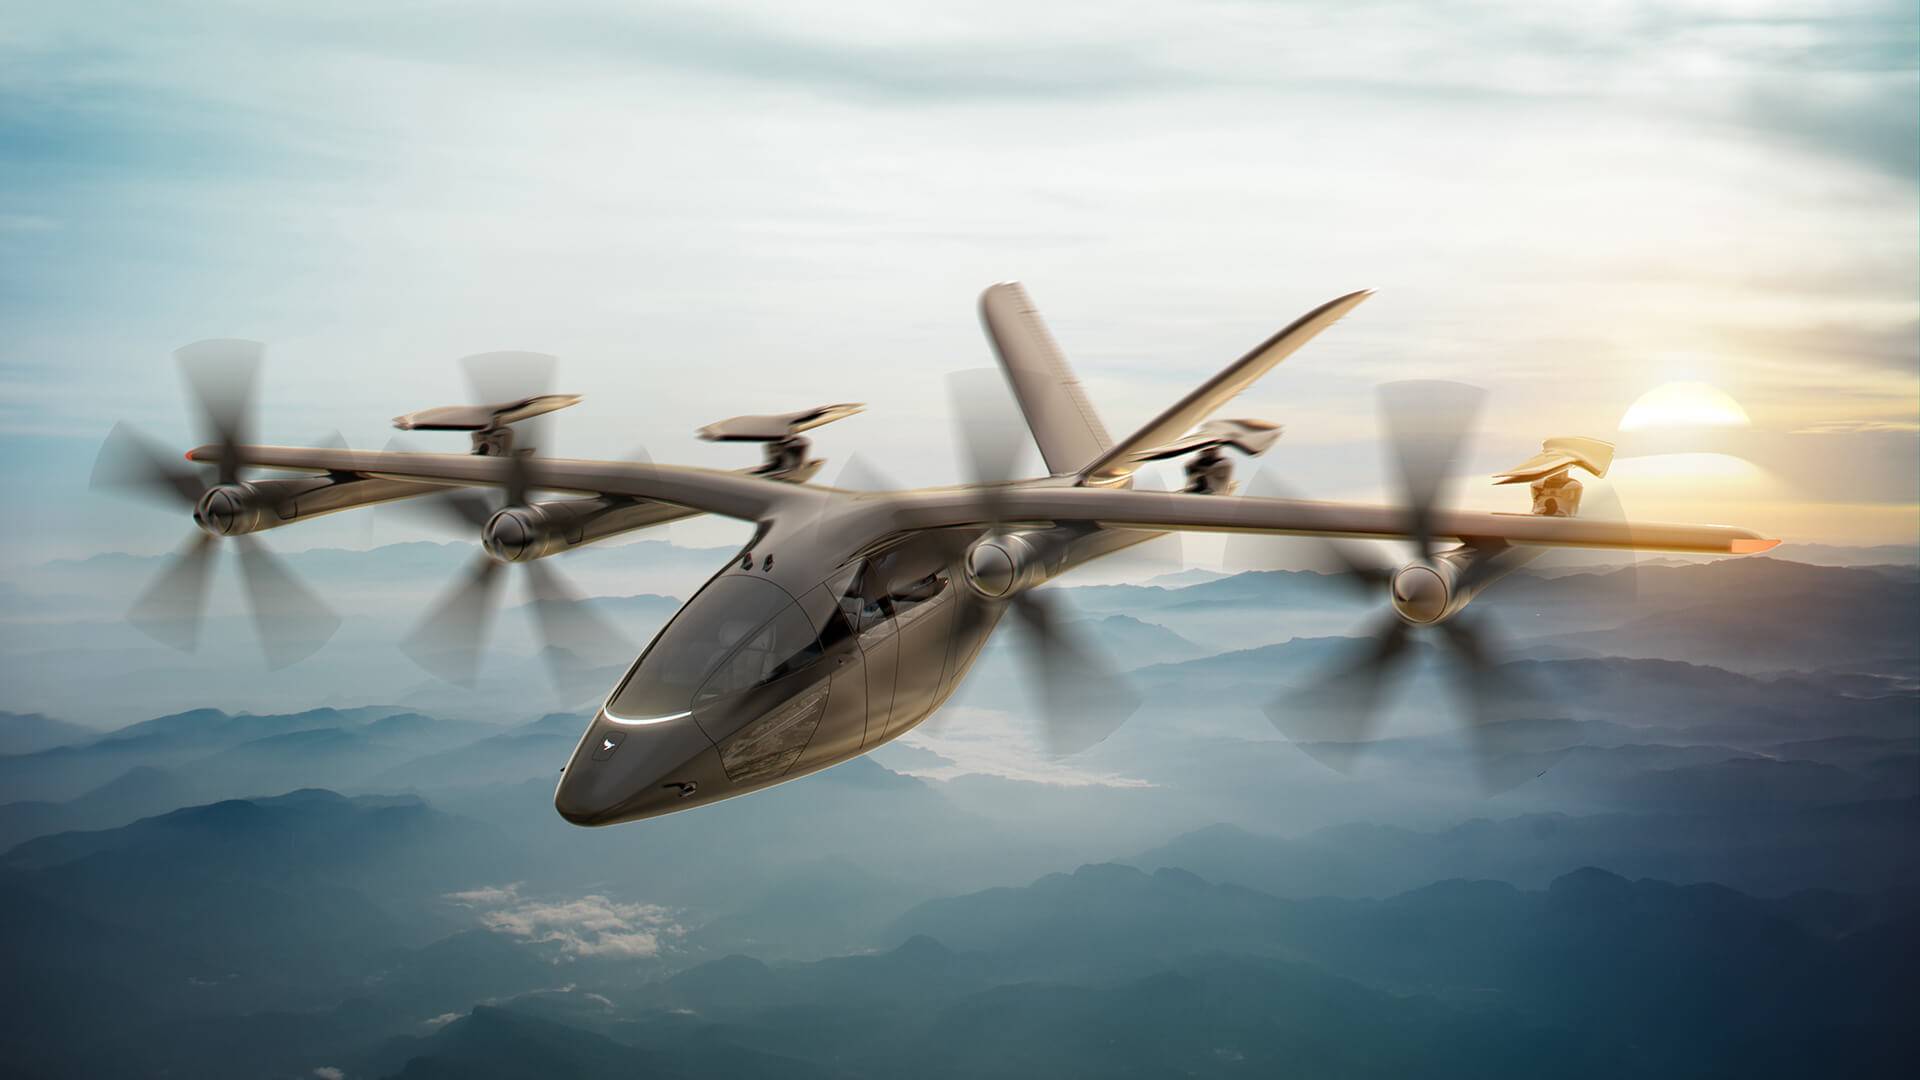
1754 546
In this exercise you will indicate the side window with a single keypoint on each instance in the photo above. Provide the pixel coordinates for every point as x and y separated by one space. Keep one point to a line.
863 597
908 597
785 644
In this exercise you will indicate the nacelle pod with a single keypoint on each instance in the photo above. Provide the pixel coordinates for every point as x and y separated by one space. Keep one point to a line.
241 508
1000 564
1425 593
537 530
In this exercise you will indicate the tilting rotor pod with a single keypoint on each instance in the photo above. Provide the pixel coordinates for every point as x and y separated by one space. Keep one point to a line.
1208 470
780 435
291 621
1083 697
1333 718
448 640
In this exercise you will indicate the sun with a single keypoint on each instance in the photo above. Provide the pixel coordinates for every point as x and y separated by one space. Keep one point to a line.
1684 405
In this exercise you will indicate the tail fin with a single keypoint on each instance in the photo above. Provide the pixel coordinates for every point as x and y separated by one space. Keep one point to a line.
1058 413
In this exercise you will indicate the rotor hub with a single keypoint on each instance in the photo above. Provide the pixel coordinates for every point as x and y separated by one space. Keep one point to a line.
227 510
1001 564
510 535
1421 594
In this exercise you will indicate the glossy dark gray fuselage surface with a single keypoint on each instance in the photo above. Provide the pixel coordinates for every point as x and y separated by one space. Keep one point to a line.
891 627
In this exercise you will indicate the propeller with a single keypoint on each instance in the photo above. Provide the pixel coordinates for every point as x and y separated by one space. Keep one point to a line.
448 640
291 621
1083 698
1333 718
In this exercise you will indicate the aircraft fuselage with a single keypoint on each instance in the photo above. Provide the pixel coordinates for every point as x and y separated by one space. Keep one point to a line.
785 663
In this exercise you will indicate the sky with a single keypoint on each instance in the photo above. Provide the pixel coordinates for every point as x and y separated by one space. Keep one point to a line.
722 208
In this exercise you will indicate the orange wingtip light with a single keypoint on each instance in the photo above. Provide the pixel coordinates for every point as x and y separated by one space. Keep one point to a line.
1753 547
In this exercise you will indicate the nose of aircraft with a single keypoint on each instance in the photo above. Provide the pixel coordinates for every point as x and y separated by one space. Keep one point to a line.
623 771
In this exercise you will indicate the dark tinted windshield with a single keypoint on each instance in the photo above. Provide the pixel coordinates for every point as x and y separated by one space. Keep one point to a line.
735 633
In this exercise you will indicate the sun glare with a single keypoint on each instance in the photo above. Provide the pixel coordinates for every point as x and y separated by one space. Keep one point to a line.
1683 405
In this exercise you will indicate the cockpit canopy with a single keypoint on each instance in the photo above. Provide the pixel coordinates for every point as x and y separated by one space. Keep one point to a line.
737 633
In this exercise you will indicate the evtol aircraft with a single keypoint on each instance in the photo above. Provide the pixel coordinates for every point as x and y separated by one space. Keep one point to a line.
851 616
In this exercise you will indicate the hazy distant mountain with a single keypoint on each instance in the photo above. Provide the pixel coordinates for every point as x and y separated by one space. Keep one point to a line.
508 1044
1672 972
26 733
245 754
1858 847
1705 702
924 1009
537 749
1842 555
1127 641
231 906
139 792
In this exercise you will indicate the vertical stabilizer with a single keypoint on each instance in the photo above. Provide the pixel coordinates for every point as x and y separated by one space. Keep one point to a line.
1058 413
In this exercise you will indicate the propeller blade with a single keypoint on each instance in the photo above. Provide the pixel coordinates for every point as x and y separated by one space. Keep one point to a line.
1258 551
1507 750
1164 554
1355 565
1333 718
501 377
990 432
1426 422
572 635
508 376
447 642
465 512
1085 699
1616 575
134 465
220 374
293 622
859 474
519 470
462 511
171 610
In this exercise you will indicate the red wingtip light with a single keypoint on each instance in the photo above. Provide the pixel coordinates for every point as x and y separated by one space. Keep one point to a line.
1753 547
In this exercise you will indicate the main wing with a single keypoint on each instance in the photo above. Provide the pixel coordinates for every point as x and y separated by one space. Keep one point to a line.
729 494
1124 509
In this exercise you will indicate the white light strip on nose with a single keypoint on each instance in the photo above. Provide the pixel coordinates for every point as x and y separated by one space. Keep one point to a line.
641 720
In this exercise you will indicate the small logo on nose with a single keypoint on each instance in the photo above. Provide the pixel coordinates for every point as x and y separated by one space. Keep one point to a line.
609 742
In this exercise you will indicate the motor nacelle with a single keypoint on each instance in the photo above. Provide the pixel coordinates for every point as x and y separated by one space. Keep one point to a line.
1425 593
240 508
537 530
234 510
1000 564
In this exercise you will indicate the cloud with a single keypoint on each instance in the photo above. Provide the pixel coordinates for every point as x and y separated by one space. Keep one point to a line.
329 1072
809 198
591 925
490 895
968 741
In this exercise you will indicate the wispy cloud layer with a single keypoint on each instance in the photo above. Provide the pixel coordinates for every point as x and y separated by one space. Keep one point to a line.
749 206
